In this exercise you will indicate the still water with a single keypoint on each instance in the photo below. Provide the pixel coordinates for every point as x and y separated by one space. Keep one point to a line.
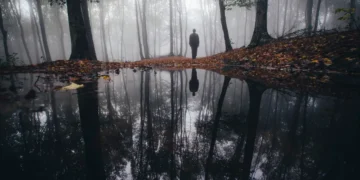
188 124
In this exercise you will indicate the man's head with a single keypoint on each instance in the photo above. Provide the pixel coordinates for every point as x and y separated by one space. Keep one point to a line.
194 30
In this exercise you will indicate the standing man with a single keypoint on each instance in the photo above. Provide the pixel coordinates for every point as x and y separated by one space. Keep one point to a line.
194 43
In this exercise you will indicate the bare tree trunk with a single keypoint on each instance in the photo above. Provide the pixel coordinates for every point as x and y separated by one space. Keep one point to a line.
308 16
326 13
215 31
61 37
5 39
38 33
144 31
32 24
122 31
43 31
138 29
186 27
102 24
204 28
317 16
228 46
352 15
22 34
82 44
245 27
171 29
181 28
89 37
285 14
278 18
260 35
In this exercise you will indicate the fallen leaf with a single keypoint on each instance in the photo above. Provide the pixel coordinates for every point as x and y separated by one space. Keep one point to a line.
72 86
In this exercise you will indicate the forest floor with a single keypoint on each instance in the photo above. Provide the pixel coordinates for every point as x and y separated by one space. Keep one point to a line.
313 64
339 52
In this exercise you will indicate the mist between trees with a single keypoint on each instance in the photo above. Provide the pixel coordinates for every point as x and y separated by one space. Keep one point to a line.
35 31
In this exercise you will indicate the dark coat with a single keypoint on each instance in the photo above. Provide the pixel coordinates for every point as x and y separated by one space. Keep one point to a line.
194 40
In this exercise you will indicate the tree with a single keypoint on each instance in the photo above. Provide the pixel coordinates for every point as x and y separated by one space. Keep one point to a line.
317 15
138 29
144 30
352 15
260 35
43 31
308 16
82 43
228 46
4 34
18 16
171 30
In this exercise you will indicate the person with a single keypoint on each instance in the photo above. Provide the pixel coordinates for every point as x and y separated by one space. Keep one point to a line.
194 82
194 43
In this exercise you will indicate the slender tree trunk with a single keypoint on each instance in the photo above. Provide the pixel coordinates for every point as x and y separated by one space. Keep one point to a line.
308 16
5 39
38 34
144 31
61 37
204 28
352 15
138 29
102 24
43 31
216 125
215 31
278 19
181 28
22 34
228 46
33 29
186 27
171 29
122 31
82 44
317 15
285 15
260 35
326 14
245 27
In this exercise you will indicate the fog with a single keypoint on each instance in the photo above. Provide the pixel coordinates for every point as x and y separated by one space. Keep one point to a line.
114 30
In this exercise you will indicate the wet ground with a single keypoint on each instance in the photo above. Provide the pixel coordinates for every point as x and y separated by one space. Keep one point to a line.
178 124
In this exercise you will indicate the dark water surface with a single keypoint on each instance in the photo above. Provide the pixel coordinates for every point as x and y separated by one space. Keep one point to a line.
189 124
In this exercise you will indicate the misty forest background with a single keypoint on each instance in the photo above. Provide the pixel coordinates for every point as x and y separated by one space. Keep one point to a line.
127 30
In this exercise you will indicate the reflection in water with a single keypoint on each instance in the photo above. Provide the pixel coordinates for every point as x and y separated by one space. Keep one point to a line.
194 82
146 125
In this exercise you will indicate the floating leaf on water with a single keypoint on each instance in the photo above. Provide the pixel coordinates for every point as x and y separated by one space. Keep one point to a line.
105 77
72 86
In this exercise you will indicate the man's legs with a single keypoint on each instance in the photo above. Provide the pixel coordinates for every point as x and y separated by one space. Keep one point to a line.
194 52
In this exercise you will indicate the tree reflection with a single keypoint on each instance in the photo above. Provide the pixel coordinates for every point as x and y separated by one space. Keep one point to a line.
90 126
146 127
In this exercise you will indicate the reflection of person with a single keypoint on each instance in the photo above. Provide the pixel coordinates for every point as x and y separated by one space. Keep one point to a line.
194 43
194 82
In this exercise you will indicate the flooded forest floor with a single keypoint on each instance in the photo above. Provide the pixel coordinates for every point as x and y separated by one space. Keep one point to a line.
335 52
317 60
